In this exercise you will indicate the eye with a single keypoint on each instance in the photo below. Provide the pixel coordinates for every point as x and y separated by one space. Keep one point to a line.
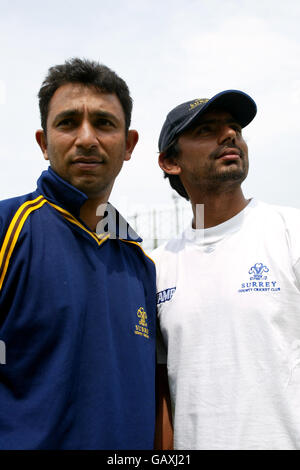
205 129
67 122
103 122
237 128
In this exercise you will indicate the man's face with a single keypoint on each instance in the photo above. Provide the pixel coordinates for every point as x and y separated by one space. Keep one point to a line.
86 142
213 153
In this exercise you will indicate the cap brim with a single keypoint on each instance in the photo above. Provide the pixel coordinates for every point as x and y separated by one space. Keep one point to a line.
240 105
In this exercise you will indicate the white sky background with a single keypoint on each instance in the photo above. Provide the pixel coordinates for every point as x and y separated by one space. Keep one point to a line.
168 52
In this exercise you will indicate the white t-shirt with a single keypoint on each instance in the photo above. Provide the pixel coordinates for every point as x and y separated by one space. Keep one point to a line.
229 311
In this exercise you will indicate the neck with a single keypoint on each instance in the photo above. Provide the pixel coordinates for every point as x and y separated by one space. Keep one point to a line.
218 207
91 213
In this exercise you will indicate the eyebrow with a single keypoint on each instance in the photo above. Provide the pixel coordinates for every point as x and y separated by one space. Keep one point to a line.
75 112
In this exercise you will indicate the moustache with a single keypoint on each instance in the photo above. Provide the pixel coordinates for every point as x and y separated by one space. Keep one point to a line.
220 150
88 152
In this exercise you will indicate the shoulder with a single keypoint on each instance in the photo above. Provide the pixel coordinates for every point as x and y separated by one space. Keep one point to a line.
7 205
285 220
138 258
278 209
137 249
168 249
289 217
166 258
16 207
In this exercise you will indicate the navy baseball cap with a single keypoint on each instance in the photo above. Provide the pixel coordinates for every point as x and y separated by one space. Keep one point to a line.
239 104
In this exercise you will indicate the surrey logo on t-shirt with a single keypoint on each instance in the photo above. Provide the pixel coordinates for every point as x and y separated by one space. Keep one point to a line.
259 280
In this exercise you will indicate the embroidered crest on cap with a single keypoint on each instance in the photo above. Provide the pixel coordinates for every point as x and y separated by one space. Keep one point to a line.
198 102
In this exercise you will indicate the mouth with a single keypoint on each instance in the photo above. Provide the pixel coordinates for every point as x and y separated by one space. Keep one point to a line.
87 163
230 155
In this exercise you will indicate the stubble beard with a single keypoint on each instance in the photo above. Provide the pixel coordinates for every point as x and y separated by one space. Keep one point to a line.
230 174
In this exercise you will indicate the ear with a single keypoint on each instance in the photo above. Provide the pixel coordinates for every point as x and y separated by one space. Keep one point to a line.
42 141
168 165
131 141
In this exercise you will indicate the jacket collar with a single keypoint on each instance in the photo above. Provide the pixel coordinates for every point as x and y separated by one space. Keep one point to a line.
60 192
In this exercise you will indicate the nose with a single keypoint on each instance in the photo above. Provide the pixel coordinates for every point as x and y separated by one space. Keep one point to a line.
86 136
227 133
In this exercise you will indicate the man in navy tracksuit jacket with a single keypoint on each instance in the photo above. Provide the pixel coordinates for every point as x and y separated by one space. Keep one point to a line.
77 307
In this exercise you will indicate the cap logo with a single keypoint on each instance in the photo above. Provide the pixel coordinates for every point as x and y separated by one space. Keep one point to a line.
198 102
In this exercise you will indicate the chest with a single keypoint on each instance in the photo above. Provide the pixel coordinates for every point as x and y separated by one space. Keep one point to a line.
60 276
245 282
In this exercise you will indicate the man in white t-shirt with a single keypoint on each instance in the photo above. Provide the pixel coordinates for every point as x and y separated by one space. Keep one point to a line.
228 291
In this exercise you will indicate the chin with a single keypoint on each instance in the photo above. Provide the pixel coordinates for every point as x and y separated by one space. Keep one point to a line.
234 174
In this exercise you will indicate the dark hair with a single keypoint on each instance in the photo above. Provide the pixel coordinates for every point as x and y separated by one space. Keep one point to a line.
88 73
173 150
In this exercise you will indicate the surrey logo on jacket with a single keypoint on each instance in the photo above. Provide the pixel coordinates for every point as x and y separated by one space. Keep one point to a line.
259 281
142 328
